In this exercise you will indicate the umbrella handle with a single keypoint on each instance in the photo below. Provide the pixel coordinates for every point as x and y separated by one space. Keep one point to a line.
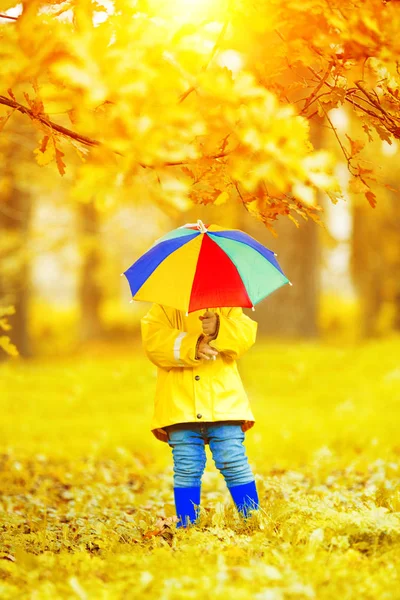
201 227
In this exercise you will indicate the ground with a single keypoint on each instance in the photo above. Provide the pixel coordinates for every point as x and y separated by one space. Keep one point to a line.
86 490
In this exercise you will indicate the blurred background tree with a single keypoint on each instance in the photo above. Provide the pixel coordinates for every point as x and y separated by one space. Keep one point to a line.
90 288
15 219
376 254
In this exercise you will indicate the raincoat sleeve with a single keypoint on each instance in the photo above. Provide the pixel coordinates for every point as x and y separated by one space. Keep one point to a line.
165 346
236 333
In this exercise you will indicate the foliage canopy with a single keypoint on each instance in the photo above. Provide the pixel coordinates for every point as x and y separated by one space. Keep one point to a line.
201 101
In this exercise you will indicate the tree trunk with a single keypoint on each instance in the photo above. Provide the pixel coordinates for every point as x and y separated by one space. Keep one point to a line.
395 257
90 291
15 268
291 311
376 264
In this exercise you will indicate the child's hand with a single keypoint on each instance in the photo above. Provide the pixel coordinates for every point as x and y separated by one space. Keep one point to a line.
209 322
205 350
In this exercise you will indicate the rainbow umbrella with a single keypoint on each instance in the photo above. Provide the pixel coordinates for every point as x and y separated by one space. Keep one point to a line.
196 267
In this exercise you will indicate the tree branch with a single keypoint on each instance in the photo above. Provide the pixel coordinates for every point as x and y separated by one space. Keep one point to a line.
347 157
349 98
314 72
8 17
316 90
43 119
374 102
88 141
185 162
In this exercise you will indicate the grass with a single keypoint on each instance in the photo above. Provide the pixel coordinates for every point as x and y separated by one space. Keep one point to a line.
86 491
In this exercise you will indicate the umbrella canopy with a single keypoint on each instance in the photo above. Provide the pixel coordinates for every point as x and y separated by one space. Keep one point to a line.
196 267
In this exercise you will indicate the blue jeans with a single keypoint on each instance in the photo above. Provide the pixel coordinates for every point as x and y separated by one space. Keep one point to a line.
225 439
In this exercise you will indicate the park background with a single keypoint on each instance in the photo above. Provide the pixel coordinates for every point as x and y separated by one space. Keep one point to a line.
86 490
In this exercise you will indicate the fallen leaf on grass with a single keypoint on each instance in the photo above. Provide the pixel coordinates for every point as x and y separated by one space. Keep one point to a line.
163 525
4 556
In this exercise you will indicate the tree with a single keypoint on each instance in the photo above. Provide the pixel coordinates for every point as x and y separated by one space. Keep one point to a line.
14 278
15 215
90 290
291 311
202 100
376 264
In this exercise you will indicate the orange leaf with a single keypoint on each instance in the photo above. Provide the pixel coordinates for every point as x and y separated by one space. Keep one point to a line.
188 172
44 143
152 533
383 133
162 525
368 132
45 152
59 161
371 197
355 145
27 98
72 115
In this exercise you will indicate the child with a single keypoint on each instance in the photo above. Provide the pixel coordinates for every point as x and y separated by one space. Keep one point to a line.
200 399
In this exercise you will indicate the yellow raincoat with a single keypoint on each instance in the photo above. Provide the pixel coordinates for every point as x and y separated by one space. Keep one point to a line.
197 390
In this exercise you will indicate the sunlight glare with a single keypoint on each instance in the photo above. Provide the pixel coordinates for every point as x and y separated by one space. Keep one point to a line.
189 11
339 119
231 59
389 149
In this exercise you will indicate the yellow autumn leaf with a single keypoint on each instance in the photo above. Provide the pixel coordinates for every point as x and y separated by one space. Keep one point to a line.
4 324
46 152
169 87
7 311
222 198
8 347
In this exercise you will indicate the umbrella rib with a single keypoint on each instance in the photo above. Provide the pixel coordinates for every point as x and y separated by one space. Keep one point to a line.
266 259
255 248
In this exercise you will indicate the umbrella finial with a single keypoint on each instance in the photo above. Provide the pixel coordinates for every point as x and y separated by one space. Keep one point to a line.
201 226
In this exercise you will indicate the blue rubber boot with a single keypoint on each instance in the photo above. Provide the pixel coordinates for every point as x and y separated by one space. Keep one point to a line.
187 499
245 497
